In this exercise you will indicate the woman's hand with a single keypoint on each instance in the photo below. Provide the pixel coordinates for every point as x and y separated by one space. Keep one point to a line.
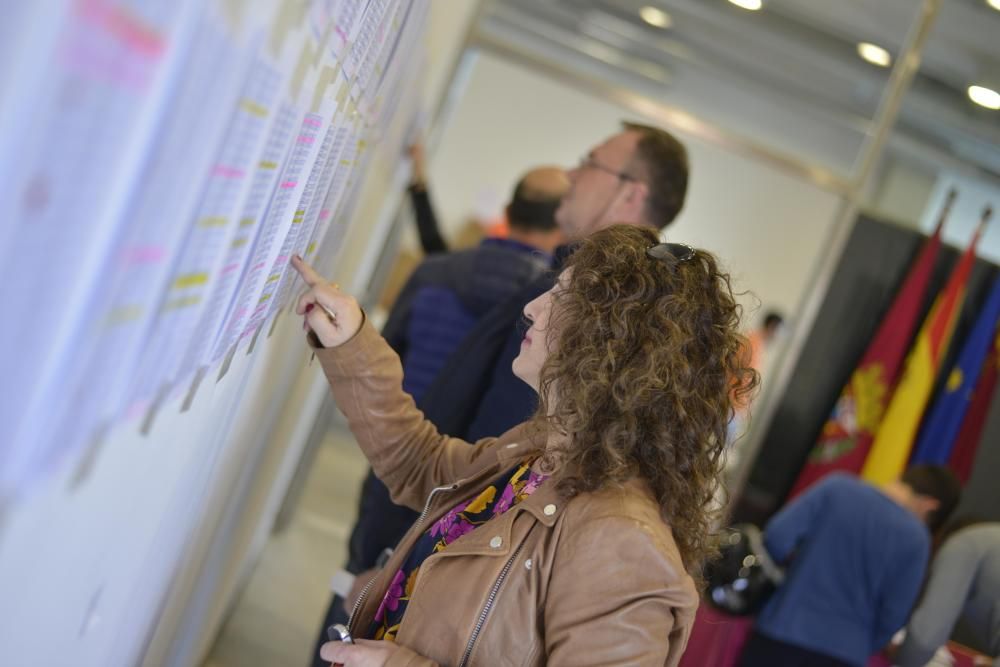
363 653
332 315
419 177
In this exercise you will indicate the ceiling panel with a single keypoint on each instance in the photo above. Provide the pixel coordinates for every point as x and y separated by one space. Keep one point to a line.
797 54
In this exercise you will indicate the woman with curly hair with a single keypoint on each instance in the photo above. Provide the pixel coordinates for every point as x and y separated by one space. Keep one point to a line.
578 537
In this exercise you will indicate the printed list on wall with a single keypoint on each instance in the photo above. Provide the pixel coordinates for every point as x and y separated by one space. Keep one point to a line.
163 161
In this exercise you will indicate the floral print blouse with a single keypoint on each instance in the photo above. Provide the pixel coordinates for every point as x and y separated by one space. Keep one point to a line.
516 485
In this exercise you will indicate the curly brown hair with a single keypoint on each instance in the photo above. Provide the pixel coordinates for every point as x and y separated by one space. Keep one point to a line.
646 368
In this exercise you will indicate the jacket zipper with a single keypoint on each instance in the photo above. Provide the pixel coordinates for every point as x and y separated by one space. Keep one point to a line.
417 524
488 606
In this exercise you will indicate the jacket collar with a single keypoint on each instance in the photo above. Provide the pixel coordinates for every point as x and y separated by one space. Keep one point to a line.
524 443
494 538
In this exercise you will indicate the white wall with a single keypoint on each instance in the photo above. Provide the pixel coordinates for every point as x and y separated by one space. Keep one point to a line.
901 191
137 560
767 226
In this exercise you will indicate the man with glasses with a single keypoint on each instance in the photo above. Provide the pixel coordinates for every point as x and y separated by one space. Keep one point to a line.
638 176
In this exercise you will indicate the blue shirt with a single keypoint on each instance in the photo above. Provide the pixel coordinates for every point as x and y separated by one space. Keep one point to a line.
855 563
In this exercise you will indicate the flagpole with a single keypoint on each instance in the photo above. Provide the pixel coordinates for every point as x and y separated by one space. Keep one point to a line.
946 209
984 220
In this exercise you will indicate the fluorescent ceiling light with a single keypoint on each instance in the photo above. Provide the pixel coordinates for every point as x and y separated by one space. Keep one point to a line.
875 54
658 17
986 97
752 5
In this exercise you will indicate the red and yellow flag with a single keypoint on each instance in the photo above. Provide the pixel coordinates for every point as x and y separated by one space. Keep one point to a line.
891 449
848 432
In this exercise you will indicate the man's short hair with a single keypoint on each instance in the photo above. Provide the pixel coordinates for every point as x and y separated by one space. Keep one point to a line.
936 482
773 319
662 163
532 210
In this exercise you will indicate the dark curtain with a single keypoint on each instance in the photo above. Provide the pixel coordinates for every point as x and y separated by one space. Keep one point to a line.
873 266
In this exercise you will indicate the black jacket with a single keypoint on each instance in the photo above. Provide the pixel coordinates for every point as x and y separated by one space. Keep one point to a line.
494 282
476 394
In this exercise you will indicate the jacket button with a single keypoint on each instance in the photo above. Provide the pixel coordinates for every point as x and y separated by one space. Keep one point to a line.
496 542
549 510
527 564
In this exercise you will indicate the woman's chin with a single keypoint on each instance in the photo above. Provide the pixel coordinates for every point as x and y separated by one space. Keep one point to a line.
530 379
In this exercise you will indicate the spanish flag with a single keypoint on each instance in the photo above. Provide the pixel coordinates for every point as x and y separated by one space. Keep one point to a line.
848 432
891 449
937 437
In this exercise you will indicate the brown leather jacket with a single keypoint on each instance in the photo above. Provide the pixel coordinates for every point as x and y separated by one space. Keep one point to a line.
595 580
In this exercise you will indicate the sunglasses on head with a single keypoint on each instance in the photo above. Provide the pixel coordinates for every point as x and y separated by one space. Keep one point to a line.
671 252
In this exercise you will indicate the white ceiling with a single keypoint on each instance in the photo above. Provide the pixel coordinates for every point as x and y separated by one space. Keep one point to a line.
793 56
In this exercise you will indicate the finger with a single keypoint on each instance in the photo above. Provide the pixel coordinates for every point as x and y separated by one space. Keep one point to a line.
340 652
322 321
308 273
307 299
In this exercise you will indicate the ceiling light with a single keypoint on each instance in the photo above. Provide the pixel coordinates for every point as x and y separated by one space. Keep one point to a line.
752 5
875 54
658 17
986 97
995 4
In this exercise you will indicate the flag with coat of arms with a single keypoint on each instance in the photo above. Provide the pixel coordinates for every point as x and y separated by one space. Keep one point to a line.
893 443
847 435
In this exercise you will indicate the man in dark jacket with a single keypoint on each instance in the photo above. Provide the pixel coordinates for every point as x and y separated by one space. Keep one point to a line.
438 306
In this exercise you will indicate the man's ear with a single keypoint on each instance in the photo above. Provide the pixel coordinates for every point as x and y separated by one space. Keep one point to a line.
638 193
926 504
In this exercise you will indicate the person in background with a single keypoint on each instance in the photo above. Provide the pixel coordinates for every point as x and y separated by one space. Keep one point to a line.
638 176
964 582
759 342
761 338
856 557
439 304
428 228
576 538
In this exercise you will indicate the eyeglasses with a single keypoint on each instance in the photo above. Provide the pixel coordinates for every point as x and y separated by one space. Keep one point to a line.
589 163
671 252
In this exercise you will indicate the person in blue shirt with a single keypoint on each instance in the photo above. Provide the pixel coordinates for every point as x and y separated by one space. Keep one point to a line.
855 558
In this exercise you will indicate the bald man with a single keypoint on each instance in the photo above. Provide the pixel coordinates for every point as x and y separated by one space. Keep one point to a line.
439 305
536 228
531 213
